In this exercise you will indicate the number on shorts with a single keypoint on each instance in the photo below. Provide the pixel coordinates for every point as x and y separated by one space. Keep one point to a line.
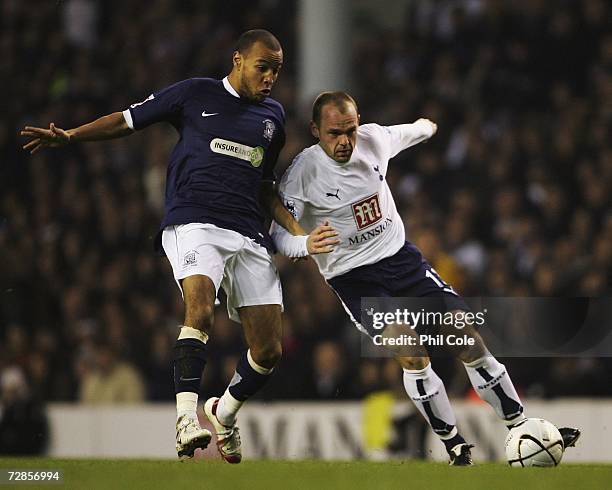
435 277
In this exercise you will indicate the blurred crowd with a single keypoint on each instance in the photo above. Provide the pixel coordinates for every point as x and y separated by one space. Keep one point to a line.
510 198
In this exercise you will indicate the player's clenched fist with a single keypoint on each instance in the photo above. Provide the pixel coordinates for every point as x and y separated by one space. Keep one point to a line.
42 137
434 126
322 239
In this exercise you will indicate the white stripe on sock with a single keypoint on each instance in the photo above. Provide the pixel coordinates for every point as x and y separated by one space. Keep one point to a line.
452 434
192 333
256 367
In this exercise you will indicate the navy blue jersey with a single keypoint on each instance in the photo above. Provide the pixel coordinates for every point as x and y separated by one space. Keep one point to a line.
226 149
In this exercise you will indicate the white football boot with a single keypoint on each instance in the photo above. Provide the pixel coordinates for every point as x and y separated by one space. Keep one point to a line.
228 437
189 437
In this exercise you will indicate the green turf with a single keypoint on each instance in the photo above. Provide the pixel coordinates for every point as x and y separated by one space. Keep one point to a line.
317 475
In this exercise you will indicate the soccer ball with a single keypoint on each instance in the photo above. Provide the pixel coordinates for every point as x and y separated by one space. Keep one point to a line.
535 442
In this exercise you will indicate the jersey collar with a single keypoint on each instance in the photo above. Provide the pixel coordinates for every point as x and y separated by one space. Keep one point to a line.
229 88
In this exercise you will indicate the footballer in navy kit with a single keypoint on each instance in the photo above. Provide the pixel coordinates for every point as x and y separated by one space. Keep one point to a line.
342 179
227 147
219 178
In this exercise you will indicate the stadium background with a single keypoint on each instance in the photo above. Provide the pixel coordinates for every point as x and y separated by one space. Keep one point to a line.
511 197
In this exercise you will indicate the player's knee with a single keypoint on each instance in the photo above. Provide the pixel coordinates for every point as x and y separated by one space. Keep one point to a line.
267 355
472 351
413 363
200 316
468 351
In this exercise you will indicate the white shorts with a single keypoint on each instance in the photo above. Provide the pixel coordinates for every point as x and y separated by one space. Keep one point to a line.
241 266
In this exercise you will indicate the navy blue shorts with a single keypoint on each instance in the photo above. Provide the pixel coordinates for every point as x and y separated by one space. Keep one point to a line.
403 275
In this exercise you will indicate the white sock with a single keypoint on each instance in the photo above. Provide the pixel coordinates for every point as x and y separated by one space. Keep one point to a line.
427 391
228 405
492 383
187 404
227 408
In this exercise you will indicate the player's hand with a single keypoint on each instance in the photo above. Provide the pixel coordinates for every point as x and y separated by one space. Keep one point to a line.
434 126
41 137
322 239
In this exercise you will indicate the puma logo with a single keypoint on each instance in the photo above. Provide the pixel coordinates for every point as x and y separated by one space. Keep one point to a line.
329 194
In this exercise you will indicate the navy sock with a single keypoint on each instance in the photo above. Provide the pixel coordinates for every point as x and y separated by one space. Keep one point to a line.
246 381
189 361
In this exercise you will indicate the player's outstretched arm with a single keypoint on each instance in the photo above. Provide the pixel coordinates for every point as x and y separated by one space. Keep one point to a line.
402 136
104 128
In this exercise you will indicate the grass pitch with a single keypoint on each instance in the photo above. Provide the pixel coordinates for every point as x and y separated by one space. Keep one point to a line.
317 475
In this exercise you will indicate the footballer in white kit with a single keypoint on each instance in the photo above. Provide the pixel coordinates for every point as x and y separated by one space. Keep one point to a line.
355 197
342 180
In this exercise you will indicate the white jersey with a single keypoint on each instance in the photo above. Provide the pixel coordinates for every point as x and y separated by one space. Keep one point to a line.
353 196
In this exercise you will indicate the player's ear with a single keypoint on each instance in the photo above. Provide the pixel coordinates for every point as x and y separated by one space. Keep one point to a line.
358 118
237 59
314 130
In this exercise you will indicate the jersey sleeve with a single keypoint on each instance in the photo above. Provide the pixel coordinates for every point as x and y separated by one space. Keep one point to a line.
165 105
290 190
402 136
288 244
290 193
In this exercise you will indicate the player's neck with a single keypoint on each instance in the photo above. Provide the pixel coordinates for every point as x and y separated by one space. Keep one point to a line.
234 81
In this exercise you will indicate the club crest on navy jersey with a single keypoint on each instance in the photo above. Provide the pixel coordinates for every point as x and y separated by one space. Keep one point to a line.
269 129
